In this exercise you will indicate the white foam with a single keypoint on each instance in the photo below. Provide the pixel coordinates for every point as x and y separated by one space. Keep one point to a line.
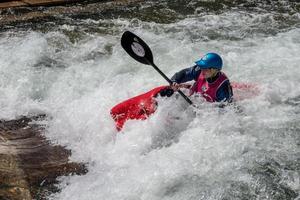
196 156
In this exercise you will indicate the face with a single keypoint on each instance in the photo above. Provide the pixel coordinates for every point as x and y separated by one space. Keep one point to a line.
208 73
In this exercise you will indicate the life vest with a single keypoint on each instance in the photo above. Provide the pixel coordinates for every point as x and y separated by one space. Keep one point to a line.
206 89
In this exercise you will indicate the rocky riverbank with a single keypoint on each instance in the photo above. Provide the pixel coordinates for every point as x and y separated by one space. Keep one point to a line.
18 3
29 163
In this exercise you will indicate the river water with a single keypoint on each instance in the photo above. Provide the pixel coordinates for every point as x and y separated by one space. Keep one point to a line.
74 70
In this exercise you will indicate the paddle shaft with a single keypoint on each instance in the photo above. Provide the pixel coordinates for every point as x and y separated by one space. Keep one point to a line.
170 82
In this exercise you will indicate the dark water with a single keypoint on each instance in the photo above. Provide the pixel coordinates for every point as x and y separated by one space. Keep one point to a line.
280 15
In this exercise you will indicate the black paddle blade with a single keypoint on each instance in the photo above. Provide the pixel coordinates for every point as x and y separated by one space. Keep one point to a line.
136 48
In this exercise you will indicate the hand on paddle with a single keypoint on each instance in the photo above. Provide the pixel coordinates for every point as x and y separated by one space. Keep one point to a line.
177 86
174 87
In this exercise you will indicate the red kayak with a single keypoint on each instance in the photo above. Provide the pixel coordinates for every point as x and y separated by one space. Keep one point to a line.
138 107
142 106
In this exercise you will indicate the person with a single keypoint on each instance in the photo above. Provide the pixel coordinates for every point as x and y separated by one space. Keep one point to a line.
210 81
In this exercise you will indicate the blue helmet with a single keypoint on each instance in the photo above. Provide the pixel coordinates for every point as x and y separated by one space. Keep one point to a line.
210 60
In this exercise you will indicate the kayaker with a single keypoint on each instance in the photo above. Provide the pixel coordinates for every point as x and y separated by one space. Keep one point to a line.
210 81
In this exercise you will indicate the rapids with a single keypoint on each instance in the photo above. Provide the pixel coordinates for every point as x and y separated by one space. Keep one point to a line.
74 71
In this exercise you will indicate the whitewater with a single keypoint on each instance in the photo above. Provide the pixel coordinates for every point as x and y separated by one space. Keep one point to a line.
76 72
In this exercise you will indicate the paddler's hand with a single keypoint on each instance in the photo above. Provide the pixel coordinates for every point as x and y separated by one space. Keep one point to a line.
177 86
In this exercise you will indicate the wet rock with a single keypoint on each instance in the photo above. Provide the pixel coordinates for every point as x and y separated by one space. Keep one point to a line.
29 163
17 3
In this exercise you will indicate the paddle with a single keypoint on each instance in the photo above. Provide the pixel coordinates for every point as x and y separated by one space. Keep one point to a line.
141 52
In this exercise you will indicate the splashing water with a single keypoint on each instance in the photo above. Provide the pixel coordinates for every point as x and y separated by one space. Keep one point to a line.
76 71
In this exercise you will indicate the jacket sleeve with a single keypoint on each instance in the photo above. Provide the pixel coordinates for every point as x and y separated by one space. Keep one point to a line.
186 75
224 93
